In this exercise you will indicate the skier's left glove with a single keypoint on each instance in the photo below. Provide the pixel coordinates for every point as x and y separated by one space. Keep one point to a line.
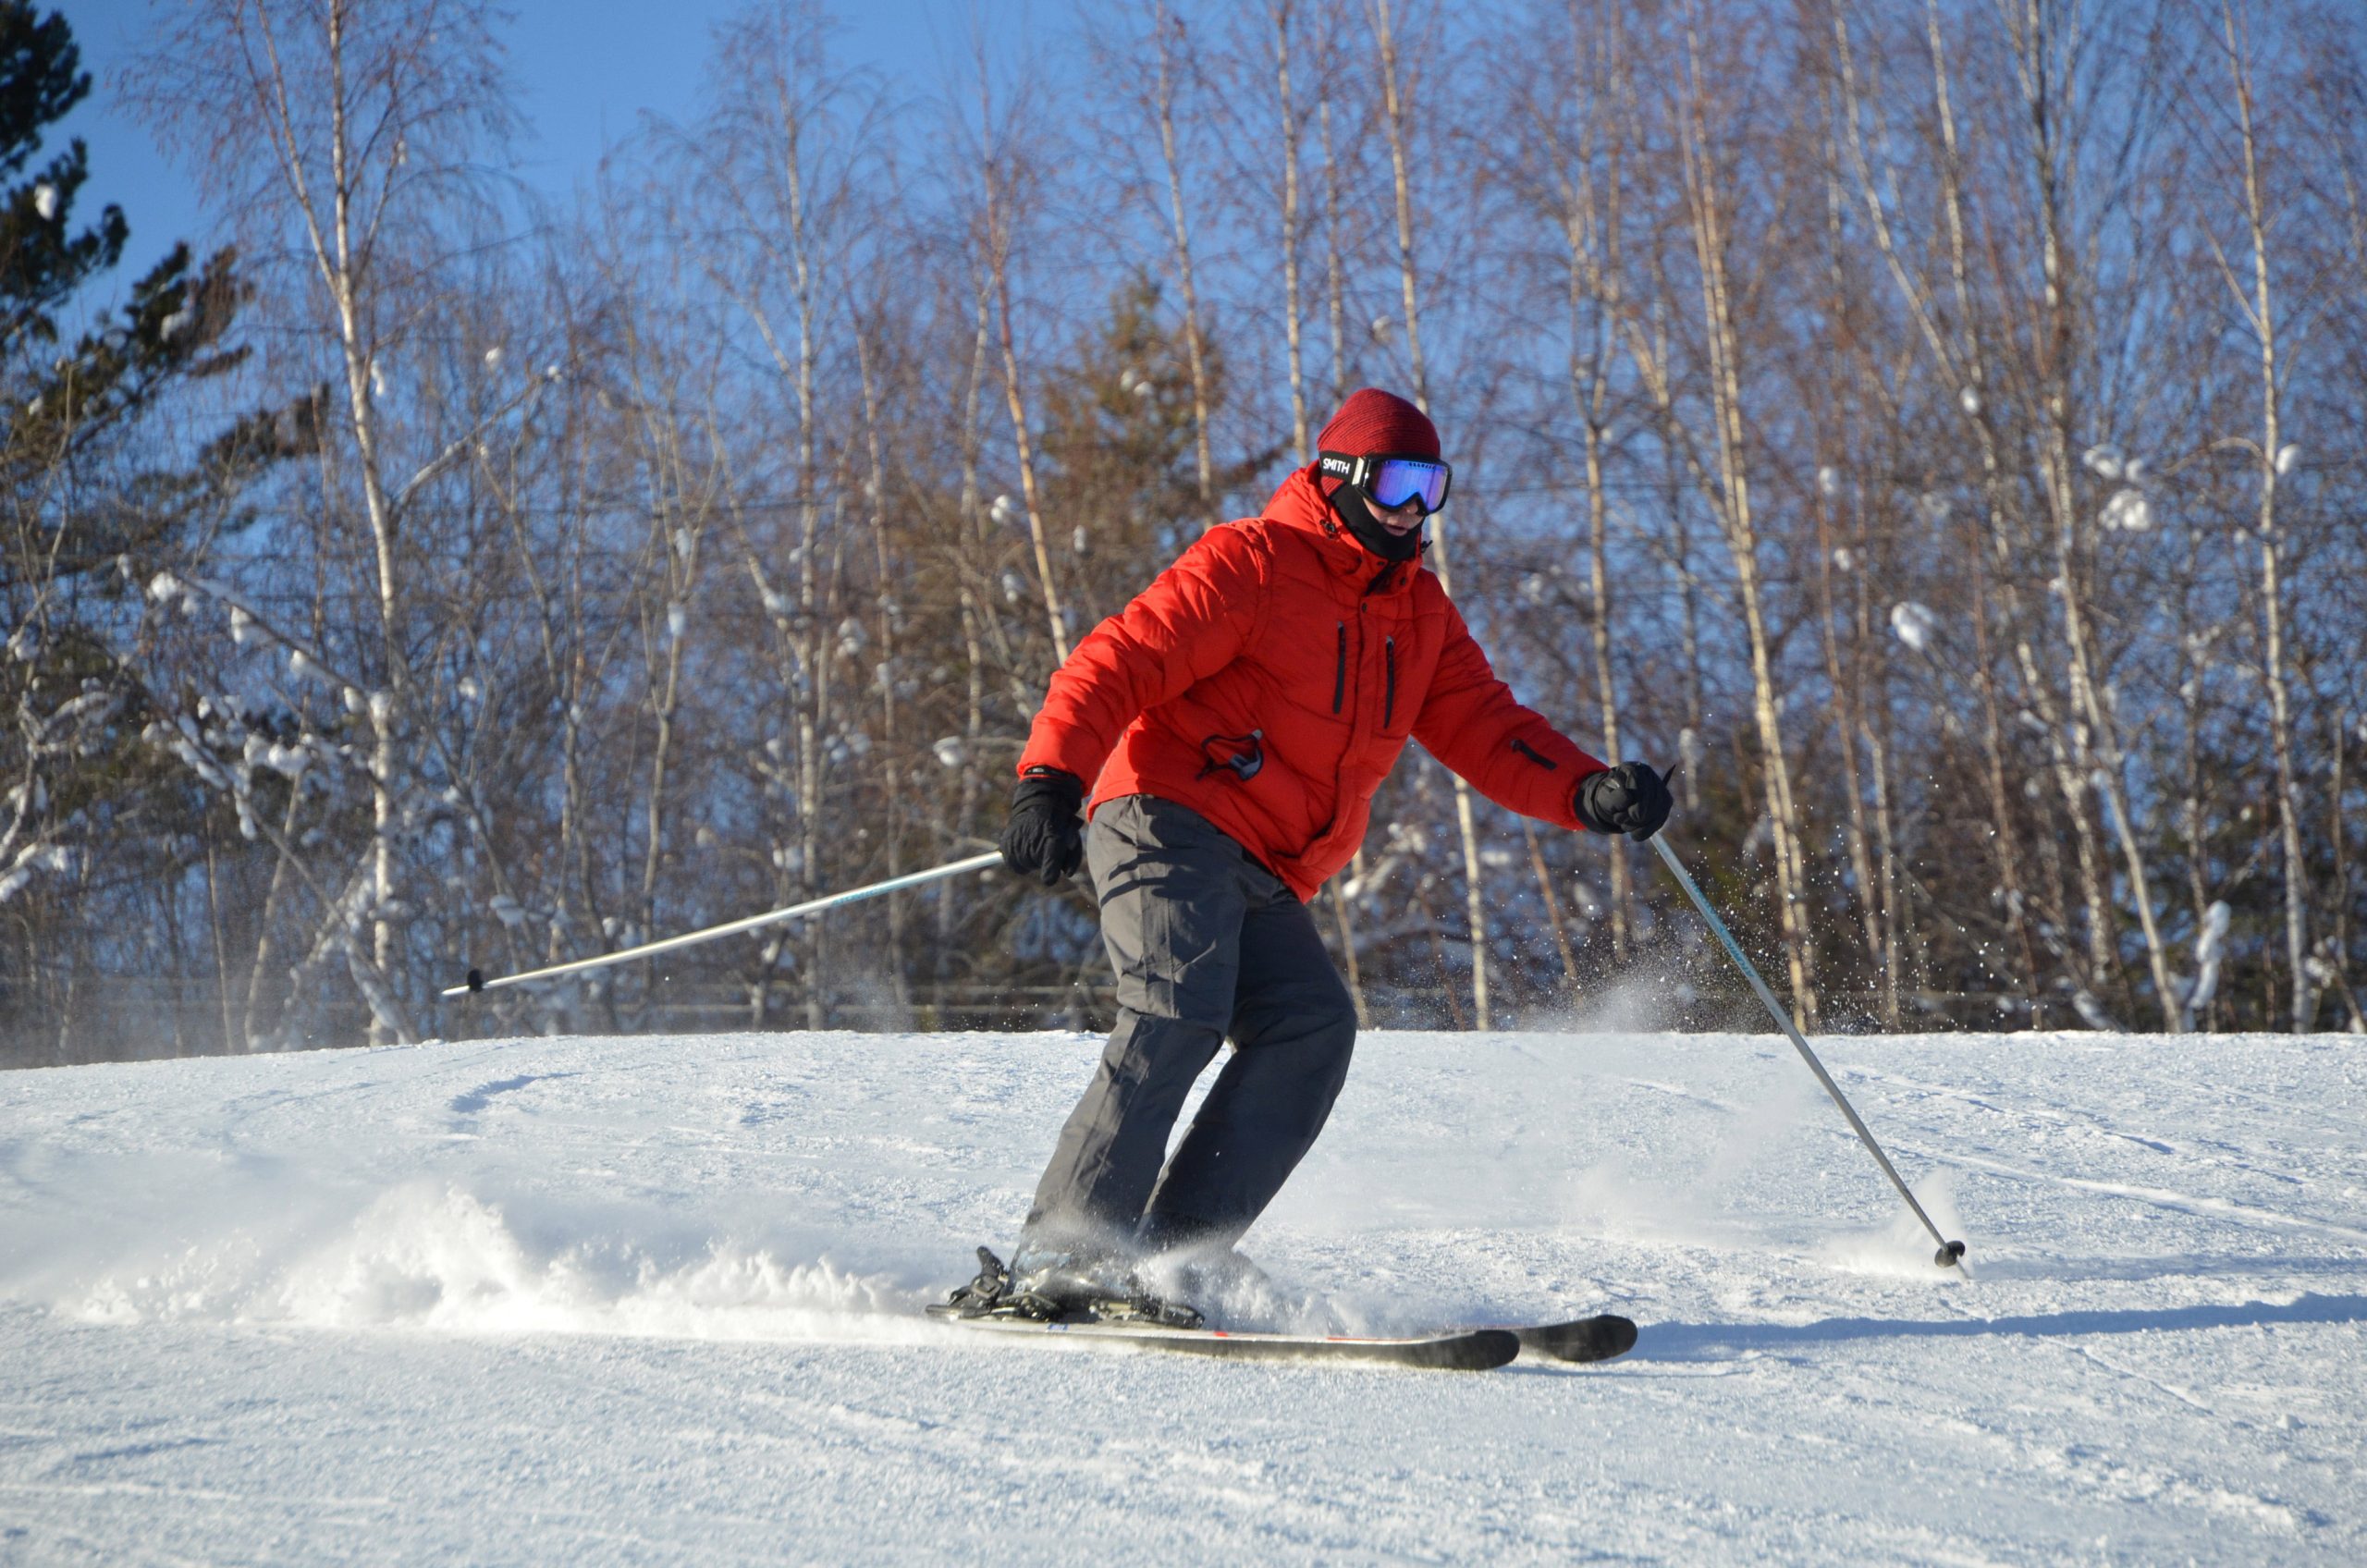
1044 839
1630 799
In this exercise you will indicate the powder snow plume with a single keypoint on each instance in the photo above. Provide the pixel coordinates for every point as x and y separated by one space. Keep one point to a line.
434 1257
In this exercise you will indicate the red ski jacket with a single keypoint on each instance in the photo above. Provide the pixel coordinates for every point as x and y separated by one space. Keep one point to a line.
1267 680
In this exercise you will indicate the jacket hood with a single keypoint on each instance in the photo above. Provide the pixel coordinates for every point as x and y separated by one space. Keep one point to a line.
1299 504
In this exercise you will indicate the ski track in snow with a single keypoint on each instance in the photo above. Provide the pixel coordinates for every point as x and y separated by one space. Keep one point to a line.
655 1299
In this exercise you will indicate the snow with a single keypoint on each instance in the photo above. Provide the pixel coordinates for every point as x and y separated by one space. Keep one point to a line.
1914 623
31 860
654 1300
2128 511
2209 952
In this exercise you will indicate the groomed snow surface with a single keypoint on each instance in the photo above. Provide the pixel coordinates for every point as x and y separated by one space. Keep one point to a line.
656 1301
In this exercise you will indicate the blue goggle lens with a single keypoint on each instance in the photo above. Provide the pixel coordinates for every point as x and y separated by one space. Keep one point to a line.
1396 481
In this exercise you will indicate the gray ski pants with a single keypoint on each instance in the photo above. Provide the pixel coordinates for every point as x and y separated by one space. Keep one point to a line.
1206 943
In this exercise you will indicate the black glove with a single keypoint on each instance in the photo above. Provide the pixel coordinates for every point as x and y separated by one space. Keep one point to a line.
1629 799
1044 839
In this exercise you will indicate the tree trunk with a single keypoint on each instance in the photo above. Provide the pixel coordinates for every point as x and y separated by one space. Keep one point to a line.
1732 498
1395 113
2262 311
1195 350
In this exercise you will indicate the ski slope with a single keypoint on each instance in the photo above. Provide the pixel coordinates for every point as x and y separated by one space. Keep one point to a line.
655 1300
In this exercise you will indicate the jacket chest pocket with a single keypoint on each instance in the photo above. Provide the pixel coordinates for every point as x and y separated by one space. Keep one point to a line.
1396 673
1310 662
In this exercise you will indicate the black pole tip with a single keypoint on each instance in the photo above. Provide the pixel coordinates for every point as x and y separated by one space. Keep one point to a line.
1950 1254
476 982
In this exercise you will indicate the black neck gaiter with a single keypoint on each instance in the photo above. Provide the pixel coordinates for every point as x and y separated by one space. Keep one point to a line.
1348 502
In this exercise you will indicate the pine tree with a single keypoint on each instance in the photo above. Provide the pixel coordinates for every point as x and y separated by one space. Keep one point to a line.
94 515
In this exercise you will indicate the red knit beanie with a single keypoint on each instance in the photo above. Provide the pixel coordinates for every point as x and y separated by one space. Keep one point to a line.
1375 423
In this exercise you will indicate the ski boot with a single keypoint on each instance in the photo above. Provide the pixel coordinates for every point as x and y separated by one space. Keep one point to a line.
1060 1281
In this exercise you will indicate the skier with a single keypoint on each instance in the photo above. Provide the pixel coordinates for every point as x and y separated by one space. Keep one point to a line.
1235 720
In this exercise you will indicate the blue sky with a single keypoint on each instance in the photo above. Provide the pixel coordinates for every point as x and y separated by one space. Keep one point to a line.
585 72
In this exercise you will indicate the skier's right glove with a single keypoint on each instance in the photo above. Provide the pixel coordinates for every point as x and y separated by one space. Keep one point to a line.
1630 799
1044 837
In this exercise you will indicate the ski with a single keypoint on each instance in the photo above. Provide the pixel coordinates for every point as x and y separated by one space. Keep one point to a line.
1140 1320
1579 1340
1462 1350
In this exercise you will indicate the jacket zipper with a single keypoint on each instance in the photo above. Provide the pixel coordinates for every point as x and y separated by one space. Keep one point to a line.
1340 671
1389 692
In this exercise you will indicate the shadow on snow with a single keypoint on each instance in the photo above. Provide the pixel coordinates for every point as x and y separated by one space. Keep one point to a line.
1712 1341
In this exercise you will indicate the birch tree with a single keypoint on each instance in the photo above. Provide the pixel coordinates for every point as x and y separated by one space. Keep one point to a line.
346 129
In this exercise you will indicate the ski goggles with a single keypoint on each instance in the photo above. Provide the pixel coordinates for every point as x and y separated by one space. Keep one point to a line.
1390 482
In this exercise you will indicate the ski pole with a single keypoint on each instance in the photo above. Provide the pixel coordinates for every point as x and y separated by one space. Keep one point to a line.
477 982
1950 1253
